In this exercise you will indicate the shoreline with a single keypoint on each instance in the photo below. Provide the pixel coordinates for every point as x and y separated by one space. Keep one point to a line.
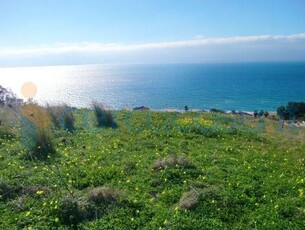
271 112
245 112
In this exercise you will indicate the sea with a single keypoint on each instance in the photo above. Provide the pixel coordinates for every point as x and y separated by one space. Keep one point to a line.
240 87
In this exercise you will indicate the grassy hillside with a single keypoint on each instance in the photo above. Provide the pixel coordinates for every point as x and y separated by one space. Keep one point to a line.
154 170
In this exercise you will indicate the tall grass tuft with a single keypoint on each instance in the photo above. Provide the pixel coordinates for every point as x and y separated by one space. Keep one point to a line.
55 112
6 132
9 122
44 145
62 117
36 131
104 117
69 121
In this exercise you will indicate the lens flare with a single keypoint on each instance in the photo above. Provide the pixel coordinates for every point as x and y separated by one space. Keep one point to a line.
29 90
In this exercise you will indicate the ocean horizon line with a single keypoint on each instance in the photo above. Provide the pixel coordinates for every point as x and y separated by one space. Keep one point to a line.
148 64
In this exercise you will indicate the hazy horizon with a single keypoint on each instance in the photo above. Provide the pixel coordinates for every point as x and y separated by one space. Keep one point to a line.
35 33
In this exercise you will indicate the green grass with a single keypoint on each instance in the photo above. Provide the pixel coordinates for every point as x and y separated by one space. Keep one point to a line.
157 170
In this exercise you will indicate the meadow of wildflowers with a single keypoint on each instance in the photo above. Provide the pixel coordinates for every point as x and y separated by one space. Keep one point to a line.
154 170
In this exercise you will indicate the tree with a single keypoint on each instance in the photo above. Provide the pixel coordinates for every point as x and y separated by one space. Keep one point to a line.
294 110
261 113
282 112
7 97
186 108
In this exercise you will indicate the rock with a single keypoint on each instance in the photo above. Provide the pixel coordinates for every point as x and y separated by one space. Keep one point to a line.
244 113
141 108
217 111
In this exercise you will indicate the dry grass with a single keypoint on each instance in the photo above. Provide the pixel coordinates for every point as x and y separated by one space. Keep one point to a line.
102 195
38 115
171 161
35 191
189 200
100 201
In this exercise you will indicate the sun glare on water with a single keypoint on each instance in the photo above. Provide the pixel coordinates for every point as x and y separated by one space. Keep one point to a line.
30 82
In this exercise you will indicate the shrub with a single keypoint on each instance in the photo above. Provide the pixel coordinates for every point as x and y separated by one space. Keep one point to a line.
104 117
171 161
69 211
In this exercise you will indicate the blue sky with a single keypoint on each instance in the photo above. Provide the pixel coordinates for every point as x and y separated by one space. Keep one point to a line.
45 32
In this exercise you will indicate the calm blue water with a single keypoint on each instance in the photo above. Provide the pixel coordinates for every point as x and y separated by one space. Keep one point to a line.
200 86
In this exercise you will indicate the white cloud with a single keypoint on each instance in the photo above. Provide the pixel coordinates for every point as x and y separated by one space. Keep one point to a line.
100 48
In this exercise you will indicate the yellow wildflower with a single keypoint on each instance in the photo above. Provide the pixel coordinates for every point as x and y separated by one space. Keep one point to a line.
39 192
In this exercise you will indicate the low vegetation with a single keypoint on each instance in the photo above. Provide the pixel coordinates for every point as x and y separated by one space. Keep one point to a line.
156 170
